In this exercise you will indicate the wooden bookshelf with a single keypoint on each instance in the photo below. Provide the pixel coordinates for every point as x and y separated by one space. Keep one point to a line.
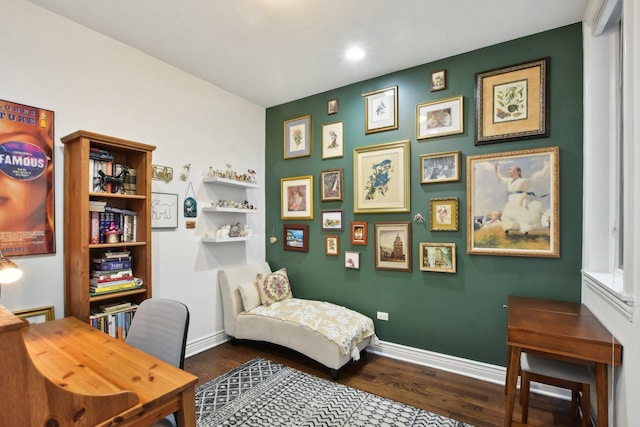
78 251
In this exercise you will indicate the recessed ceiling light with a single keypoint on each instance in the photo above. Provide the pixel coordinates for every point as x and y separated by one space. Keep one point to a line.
355 54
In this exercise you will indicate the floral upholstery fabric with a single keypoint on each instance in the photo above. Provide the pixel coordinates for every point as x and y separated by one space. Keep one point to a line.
274 287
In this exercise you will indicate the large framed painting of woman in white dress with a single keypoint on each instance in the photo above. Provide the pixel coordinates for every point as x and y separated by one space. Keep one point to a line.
512 203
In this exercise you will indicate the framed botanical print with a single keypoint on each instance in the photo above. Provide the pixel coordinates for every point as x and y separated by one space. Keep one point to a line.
296 197
331 184
381 110
440 167
333 140
439 257
359 233
443 214
332 245
297 137
392 246
440 118
296 237
513 203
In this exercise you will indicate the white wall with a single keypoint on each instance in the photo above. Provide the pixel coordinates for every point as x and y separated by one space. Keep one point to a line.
100 85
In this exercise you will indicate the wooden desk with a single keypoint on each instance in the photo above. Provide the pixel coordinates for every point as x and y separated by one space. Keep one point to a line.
559 329
80 363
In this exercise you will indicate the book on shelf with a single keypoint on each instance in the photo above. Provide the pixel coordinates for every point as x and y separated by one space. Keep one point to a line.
115 322
97 205
94 227
130 182
111 283
113 307
111 276
111 265
102 290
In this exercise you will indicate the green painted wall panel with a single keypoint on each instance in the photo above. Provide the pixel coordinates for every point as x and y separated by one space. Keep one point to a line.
458 314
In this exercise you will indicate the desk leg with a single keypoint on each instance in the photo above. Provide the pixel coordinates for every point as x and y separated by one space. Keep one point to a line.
186 415
602 394
513 367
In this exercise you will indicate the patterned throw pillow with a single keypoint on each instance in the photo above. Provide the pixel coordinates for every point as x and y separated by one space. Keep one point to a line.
274 287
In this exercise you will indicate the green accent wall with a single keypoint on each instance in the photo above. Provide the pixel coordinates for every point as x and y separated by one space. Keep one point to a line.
457 314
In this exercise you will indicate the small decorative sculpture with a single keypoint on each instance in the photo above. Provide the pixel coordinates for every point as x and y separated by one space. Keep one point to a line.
117 181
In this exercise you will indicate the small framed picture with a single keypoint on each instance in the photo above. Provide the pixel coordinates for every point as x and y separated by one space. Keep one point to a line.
332 140
439 257
164 210
439 118
331 184
381 110
332 245
440 167
332 220
392 246
332 106
37 315
352 260
359 233
296 197
297 137
296 237
438 80
444 214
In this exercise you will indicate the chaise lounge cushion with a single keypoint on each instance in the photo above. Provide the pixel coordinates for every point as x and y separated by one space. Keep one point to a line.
273 287
249 295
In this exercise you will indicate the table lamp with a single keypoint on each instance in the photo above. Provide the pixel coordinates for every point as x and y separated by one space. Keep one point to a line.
9 270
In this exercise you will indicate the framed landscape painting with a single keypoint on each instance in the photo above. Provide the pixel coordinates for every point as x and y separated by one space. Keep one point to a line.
296 237
392 246
439 257
440 167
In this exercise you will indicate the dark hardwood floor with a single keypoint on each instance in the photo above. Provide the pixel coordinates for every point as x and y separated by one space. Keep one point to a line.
472 401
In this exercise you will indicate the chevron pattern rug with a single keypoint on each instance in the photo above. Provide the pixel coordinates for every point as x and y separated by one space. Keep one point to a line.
264 393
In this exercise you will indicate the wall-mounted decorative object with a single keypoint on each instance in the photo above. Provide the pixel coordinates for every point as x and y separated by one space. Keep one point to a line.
296 197
443 214
184 173
359 233
511 103
381 110
190 224
161 173
164 210
331 181
352 260
297 137
37 315
273 239
332 220
190 203
513 203
333 140
438 80
392 245
296 237
332 245
439 257
28 221
332 106
440 118
381 178
440 167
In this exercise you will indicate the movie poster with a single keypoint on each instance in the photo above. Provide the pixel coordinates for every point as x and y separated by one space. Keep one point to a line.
26 180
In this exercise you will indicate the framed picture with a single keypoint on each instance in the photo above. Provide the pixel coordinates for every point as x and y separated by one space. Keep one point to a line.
381 178
440 167
332 245
352 260
512 202
381 110
438 80
359 233
332 106
443 214
297 137
296 197
332 140
511 103
331 181
37 315
332 220
392 246
439 118
439 257
296 237
164 210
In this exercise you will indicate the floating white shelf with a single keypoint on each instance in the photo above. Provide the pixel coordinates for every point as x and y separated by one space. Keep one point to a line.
231 210
229 182
224 239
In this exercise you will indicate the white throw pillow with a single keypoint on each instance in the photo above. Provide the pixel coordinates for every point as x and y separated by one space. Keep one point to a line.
249 295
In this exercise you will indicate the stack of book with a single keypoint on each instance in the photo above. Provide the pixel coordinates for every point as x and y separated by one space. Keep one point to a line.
114 318
112 273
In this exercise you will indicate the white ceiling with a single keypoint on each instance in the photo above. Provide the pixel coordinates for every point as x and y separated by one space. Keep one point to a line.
274 51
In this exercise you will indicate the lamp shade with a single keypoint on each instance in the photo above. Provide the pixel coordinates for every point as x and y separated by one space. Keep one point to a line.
9 270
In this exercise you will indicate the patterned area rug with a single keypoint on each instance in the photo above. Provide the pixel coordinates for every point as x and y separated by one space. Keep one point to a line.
264 393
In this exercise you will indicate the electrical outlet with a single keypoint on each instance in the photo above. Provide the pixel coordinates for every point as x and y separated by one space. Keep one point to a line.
383 316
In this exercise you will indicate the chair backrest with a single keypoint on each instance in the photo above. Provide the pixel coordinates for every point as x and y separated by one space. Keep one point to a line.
160 328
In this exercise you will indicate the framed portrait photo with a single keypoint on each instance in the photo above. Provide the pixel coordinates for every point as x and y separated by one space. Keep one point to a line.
333 140
296 237
331 181
511 103
513 203
352 260
381 178
332 106
392 246
332 220
439 118
381 110
297 137
296 197
359 233
440 167
438 80
443 214
439 257
332 245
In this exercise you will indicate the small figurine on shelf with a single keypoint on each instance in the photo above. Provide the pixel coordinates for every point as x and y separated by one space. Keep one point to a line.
112 233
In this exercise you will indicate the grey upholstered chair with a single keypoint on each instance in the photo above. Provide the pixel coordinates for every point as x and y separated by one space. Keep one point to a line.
572 376
160 328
